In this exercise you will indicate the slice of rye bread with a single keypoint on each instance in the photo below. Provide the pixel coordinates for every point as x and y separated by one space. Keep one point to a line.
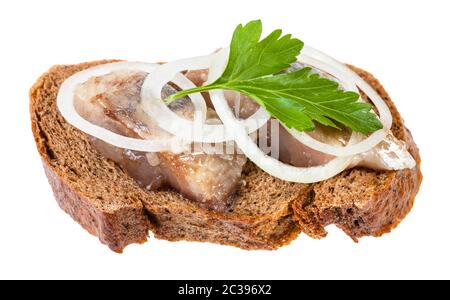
267 214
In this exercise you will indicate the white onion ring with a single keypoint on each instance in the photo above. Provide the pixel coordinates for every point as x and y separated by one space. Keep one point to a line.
270 165
308 140
385 115
185 129
65 103
330 65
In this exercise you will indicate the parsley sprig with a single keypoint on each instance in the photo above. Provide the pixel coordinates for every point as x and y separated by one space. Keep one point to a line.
298 98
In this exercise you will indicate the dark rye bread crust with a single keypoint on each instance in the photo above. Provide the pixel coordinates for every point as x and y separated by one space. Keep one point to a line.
361 201
267 214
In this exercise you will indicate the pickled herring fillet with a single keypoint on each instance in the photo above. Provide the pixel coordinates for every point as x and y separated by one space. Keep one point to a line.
389 154
113 102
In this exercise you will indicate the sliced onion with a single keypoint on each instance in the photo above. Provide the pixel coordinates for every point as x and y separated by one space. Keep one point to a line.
361 143
270 165
308 140
195 130
65 103
383 109
330 65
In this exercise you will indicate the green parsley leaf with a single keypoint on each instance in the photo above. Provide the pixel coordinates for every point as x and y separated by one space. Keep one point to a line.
297 99
252 59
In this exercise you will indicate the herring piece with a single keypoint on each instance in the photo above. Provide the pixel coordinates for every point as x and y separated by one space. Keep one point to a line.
113 101
296 154
389 154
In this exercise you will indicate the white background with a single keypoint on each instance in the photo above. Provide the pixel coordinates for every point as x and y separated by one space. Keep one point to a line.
404 43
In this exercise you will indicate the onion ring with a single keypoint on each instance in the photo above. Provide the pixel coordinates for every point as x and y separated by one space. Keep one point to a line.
269 164
330 65
65 103
194 131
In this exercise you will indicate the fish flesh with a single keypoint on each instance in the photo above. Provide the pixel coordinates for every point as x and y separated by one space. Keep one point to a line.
389 154
113 102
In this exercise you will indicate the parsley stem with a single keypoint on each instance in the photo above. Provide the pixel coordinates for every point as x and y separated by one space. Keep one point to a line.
183 93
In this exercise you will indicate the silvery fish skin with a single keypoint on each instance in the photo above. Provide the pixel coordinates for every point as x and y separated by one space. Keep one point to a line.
113 102
390 154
